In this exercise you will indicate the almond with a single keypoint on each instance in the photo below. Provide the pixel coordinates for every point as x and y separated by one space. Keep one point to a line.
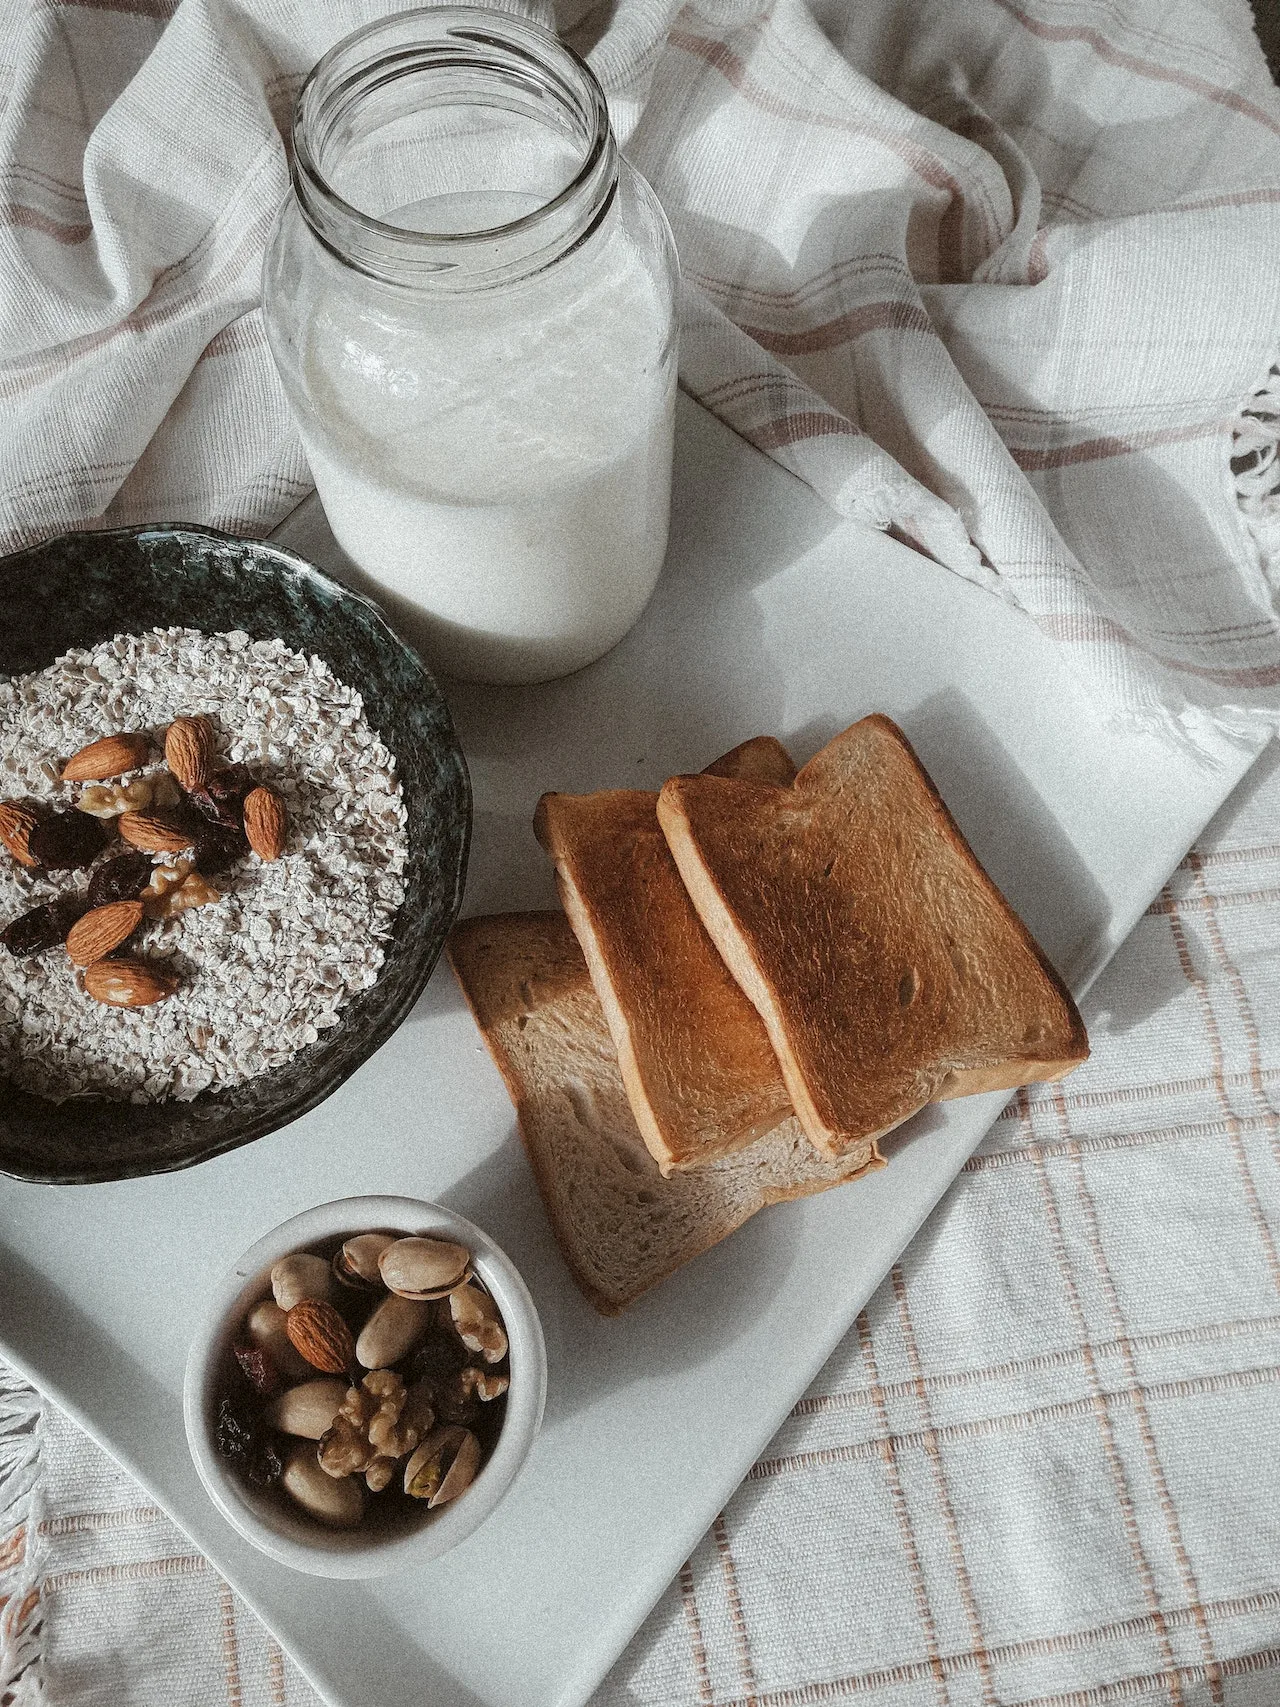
97 932
189 750
111 756
265 822
318 1332
16 825
128 983
153 832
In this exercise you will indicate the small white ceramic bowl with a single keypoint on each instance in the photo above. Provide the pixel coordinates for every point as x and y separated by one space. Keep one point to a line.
265 1517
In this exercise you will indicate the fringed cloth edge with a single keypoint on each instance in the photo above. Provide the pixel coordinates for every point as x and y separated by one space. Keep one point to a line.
21 1624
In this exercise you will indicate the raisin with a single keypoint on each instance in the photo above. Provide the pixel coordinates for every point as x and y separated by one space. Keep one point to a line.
266 1466
43 927
438 1356
217 848
221 800
247 1442
120 879
67 839
259 1371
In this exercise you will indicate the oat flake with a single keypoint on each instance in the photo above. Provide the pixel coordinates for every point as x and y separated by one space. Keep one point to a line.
289 943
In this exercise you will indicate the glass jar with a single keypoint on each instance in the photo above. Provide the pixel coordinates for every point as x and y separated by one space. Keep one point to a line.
470 299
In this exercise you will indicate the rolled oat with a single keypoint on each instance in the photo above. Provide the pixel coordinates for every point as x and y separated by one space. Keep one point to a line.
271 964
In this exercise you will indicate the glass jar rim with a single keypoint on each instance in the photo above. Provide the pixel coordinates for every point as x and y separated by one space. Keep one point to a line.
443 37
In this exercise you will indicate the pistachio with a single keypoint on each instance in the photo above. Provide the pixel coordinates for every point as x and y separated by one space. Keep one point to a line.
422 1268
393 1329
265 1328
308 1410
356 1263
477 1323
443 1467
337 1502
300 1276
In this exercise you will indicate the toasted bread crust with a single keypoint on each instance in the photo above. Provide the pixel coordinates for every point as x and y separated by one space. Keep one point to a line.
621 1226
887 967
696 1061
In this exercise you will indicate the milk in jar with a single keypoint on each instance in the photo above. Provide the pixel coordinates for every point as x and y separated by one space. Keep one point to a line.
483 374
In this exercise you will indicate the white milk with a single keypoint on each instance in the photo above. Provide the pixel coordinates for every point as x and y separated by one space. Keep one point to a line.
501 472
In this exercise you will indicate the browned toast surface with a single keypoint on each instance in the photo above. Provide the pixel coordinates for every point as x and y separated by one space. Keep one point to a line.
621 1225
886 965
695 1057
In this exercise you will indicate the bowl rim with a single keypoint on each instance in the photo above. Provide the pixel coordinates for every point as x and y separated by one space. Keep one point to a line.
394 1017
297 1542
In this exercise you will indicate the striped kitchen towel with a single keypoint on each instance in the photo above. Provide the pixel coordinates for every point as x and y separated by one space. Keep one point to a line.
997 275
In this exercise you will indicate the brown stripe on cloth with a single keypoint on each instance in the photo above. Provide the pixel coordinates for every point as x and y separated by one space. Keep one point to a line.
937 1469
1100 1405
1065 1357
1159 1477
1148 68
1097 450
19 215
1218 945
1097 1404
737 1618
1197 1129
926 165
693 1625
1033 1647
1236 1130
856 323
884 1450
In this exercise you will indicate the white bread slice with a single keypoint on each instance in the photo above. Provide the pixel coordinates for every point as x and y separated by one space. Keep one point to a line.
696 1059
886 965
621 1226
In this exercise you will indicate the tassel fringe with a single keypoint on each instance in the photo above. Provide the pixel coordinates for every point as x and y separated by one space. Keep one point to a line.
1255 468
21 1625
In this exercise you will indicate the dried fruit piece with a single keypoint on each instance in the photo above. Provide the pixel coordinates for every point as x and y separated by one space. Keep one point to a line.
189 750
126 983
65 840
43 927
317 1331
120 879
16 825
258 1369
217 848
221 800
102 930
111 756
440 1355
155 832
265 822
244 1440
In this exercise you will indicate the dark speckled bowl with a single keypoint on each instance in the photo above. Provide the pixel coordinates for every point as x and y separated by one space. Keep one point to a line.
83 588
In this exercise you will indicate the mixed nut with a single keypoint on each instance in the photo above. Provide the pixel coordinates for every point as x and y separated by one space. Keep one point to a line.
378 1367
181 825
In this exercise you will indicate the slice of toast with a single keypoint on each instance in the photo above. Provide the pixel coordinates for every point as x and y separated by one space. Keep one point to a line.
696 1059
621 1226
887 967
